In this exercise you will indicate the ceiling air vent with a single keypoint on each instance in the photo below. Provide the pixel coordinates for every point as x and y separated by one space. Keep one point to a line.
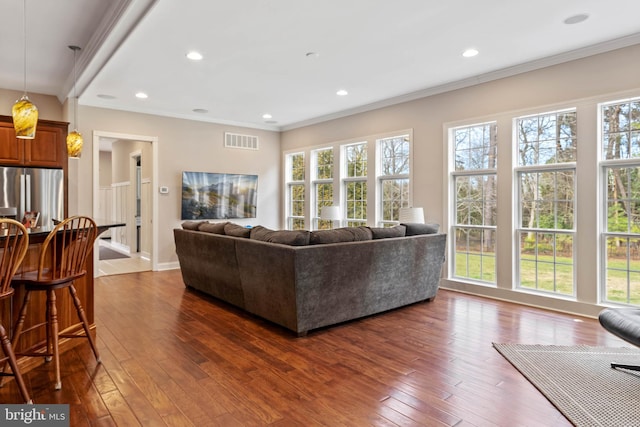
236 140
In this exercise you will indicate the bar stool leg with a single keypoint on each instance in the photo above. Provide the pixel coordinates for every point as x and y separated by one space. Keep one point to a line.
47 330
53 322
83 319
13 363
17 331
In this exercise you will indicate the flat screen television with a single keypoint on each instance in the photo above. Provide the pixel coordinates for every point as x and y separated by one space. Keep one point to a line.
207 195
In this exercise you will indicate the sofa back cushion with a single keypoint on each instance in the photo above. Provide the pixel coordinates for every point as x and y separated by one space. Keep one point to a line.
386 232
231 229
285 237
212 227
191 225
344 234
413 229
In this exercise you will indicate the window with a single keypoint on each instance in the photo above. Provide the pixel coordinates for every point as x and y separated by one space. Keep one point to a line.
475 201
295 191
322 186
355 184
620 164
338 174
393 178
545 228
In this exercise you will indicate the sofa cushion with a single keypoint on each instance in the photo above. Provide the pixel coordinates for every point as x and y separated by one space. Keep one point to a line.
386 232
285 237
191 225
212 227
231 229
413 229
344 234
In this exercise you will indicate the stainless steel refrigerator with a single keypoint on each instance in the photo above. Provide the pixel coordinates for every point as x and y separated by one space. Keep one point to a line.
32 190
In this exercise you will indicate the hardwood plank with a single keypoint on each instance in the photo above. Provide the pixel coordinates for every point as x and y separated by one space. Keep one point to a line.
119 409
176 357
425 409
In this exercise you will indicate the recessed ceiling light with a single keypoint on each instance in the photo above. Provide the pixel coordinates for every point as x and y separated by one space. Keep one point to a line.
342 92
267 116
469 53
194 56
576 19
105 96
200 110
142 95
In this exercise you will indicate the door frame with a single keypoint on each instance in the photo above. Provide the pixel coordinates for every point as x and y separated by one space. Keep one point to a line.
97 135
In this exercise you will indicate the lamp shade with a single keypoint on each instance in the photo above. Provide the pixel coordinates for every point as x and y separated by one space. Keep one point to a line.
25 118
331 213
74 144
411 215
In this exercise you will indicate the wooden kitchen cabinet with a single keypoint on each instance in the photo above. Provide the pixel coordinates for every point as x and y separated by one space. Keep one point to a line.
48 149
11 148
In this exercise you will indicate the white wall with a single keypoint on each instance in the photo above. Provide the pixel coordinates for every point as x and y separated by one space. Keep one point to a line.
105 168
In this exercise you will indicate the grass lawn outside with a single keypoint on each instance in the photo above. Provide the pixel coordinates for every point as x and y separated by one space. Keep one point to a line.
547 274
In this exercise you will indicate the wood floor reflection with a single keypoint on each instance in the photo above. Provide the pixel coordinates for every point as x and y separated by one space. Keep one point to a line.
173 357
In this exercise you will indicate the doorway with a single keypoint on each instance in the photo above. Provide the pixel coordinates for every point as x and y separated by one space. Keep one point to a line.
124 172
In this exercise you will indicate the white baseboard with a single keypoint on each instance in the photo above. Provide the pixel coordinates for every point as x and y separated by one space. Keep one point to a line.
168 266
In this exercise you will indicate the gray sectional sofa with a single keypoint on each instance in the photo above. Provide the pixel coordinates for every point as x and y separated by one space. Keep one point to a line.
306 280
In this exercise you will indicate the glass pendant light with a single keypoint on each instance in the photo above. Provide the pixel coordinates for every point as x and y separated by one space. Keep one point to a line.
74 139
24 112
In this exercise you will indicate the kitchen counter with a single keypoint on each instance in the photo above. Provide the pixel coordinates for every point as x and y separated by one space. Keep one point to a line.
44 230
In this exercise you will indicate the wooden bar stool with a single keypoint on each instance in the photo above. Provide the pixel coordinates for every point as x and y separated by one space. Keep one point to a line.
14 242
62 260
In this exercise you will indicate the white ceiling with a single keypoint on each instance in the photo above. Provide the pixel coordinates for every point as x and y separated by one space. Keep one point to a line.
255 51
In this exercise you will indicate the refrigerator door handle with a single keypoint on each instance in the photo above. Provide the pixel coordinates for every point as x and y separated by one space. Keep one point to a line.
21 207
28 194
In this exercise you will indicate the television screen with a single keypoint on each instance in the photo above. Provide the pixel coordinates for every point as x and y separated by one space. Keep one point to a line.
208 195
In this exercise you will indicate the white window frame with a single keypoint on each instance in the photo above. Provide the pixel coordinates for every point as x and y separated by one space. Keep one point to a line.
605 234
290 183
381 178
518 170
453 212
316 182
346 180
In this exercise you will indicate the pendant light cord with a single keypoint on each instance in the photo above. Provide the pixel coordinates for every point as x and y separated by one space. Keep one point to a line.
75 96
75 50
24 27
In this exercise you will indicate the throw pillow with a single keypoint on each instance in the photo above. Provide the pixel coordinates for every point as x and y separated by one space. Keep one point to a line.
386 232
212 227
191 225
414 229
344 234
231 229
285 237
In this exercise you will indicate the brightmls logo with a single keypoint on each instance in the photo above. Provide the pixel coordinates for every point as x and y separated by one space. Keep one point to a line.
34 415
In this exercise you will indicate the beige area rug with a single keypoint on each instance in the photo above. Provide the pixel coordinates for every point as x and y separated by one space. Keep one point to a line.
580 382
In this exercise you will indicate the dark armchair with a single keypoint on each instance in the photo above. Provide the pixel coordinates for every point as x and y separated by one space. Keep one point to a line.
624 323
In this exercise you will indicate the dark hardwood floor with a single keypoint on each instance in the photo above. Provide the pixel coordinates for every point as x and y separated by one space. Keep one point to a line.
177 358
